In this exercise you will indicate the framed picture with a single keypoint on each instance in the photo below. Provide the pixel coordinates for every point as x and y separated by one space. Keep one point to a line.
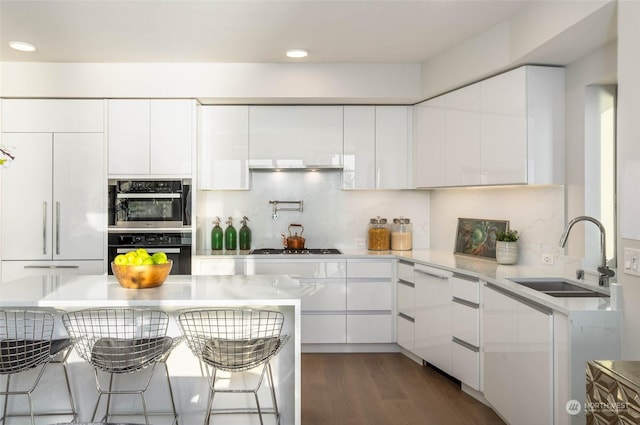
477 237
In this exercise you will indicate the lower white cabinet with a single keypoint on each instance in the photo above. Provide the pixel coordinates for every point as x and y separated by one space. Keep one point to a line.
518 357
465 327
433 327
50 269
370 301
405 296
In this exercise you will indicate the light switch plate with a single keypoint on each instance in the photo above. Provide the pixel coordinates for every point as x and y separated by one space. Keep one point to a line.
632 261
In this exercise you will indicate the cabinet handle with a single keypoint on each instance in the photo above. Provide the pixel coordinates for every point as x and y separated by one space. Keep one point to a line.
465 277
437 276
465 344
406 283
57 227
44 228
51 267
465 302
406 317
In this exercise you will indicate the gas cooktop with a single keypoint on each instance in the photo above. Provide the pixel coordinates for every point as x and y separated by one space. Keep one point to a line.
276 251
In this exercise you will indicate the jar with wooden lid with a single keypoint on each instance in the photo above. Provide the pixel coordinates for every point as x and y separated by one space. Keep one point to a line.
379 234
401 234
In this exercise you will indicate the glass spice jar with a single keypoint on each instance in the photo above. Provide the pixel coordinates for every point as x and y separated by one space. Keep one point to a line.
401 234
379 237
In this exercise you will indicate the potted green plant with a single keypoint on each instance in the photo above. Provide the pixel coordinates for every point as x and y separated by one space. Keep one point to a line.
507 247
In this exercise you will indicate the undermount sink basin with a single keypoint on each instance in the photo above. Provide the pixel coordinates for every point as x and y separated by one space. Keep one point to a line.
557 287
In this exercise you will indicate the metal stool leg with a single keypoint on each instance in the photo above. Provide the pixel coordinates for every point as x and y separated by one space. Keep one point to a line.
273 392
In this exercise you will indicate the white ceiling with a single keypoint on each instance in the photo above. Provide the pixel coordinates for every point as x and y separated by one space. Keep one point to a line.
240 31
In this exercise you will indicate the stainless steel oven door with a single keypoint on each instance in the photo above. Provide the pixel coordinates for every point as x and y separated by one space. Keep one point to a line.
152 210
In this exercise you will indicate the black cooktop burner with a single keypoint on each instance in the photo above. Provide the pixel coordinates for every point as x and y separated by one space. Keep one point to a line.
276 251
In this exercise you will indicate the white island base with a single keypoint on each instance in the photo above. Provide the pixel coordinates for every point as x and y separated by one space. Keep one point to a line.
189 383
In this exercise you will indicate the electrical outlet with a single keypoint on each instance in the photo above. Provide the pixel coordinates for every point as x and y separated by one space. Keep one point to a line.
632 261
547 259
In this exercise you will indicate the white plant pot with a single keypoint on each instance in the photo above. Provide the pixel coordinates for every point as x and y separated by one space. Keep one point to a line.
506 252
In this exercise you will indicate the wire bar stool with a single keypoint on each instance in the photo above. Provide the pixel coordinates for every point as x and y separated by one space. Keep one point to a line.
235 340
118 341
27 344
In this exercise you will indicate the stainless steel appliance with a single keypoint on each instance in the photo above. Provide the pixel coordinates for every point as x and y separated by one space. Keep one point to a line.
284 251
150 203
177 246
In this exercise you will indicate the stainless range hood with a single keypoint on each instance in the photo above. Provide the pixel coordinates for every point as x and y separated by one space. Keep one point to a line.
289 165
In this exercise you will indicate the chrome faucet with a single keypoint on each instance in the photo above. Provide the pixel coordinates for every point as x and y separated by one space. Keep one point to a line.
603 269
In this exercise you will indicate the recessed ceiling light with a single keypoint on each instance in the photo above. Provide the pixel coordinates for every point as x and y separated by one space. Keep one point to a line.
22 46
297 53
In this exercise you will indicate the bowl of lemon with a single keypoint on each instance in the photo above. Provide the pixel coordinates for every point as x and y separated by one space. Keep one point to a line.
137 269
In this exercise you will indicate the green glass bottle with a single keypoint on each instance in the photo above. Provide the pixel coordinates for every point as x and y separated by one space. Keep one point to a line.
230 236
217 236
244 235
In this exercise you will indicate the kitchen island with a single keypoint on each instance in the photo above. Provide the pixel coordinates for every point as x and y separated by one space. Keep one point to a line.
69 293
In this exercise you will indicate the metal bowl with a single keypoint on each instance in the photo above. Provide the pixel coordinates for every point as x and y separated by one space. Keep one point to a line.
142 276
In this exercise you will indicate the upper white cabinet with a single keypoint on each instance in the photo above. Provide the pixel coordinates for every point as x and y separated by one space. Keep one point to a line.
223 148
295 136
377 147
508 129
52 115
53 198
151 137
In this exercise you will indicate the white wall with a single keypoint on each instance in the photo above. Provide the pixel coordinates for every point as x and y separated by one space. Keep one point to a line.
331 216
537 212
629 149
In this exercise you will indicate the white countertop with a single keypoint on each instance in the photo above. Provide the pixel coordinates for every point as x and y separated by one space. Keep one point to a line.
177 291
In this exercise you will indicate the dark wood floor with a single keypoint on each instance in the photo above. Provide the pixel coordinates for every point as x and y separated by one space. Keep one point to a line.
383 389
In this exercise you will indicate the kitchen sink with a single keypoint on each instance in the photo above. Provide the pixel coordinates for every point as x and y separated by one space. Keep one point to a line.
557 287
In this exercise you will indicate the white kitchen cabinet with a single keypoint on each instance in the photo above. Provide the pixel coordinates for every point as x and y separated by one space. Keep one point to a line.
295 136
53 200
52 115
359 147
433 325
465 327
508 129
223 148
370 301
405 295
518 357
213 265
378 147
151 137
429 142
50 270
323 296
462 144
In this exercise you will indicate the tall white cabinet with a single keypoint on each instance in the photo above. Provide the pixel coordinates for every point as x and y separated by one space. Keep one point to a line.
54 194
223 147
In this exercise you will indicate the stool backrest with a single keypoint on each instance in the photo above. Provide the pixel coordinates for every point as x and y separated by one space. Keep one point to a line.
25 339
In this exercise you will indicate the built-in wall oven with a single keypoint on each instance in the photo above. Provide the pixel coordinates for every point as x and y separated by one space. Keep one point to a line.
152 214
177 246
150 203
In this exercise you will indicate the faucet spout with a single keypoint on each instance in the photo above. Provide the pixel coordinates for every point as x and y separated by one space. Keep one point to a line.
603 269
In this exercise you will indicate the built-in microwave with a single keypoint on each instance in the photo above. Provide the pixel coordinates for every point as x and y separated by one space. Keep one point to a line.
149 203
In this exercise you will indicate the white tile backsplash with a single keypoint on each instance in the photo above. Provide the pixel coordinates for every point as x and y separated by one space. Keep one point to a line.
331 216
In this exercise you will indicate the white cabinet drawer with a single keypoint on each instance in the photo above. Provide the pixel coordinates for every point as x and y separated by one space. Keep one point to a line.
466 365
405 271
369 269
405 294
466 323
16 269
298 269
466 288
323 329
323 296
369 328
217 267
362 295
405 333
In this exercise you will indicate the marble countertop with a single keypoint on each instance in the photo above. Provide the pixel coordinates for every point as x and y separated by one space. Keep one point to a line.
485 269
177 291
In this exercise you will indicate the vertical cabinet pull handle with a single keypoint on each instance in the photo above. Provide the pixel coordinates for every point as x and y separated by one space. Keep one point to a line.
44 228
57 227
